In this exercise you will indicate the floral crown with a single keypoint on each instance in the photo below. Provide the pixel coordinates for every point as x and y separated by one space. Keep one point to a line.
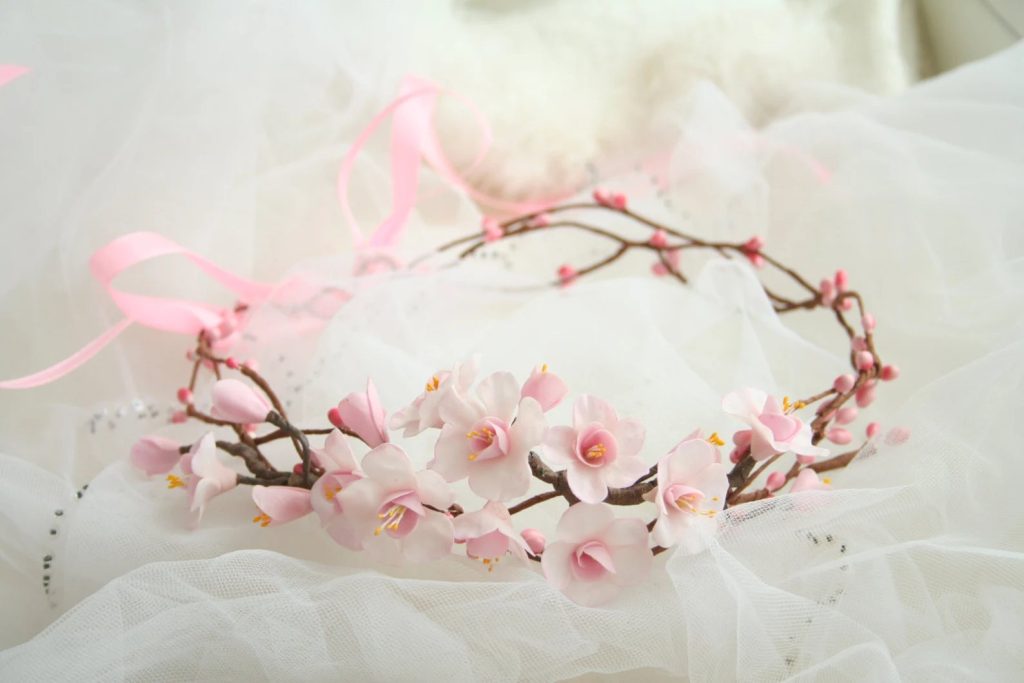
493 433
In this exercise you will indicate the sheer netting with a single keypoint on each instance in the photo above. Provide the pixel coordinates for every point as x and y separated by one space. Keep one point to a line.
910 569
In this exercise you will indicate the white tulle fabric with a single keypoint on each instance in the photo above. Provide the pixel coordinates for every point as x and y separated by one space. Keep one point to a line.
909 570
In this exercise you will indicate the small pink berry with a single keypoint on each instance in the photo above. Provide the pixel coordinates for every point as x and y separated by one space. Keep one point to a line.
897 436
872 429
846 304
754 244
775 481
567 274
297 468
184 396
840 436
659 240
866 395
865 361
541 220
619 201
231 363
492 229
535 540
178 417
659 269
890 372
334 417
602 196
868 323
755 259
828 292
842 279
858 344
844 383
845 416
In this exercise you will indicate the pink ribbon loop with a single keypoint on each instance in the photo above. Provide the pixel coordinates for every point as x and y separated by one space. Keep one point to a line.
161 313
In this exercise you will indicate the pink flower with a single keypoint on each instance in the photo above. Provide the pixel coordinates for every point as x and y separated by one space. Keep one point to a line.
567 275
545 387
752 250
595 555
488 534
236 401
391 503
155 455
659 240
808 480
488 438
340 470
692 483
280 504
363 414
425 410
598 451
771 430
209 477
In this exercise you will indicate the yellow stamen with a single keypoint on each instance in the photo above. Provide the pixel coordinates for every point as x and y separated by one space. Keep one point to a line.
261 519
786 405
684 502
331 491
544 368
174 481
827 481
799 405
433 384
596 451
472 456
715 439
392 518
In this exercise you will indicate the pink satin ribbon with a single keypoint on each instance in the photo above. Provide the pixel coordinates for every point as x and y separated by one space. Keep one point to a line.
8 72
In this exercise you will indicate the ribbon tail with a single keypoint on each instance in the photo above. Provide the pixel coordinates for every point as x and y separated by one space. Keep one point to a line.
70 363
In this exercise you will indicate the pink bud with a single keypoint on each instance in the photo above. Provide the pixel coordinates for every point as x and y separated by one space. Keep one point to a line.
844 383
184 396
542 220
858 344
250 428
334 416
297 468
547 388
179 417
492 229
776 480
155 455
602 196
755 259
866 395
868 322
890 372
865 361
846 415
872 429
846 304
828 292
805 459
235 401
659 269
619 201
231 363
735 456
659 240
842 279
363 414
897 436
567 274
534 540
840 436
754 244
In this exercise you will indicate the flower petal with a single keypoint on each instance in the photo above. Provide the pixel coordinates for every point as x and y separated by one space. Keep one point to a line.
433 489
500 395
336 455
451 454
744 403
555 564
500 478
155 455
630 435
559 444
431 540
528 431
584 522
390 467
235 401
587 483
589 409
282 504
359 503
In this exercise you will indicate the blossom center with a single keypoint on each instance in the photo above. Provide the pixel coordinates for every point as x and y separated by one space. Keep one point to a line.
596 446
433 384
591 561
687 499
262 520
783 427
399 515
488 439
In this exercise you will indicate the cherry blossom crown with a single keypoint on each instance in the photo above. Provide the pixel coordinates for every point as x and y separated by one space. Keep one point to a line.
493 433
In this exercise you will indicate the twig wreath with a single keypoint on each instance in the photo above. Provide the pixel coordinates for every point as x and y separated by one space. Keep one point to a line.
493 433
